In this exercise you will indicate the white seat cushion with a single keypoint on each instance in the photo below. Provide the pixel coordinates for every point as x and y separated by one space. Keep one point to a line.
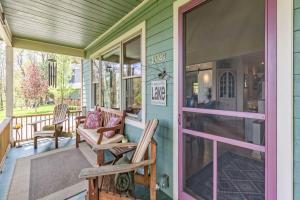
93 136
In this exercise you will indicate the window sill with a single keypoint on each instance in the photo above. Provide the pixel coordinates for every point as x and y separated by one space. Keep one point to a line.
133 122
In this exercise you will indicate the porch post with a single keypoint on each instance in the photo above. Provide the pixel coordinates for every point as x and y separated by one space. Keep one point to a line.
9 81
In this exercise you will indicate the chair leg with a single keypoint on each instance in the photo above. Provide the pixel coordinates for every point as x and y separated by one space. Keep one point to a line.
153 182
153 171
100 158
56 142
77 140
146 168
35 142
93 189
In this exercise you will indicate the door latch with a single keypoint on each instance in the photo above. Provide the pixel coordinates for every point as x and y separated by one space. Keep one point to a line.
179 119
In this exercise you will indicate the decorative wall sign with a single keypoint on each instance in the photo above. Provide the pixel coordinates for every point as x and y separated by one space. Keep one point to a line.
159 92
159 58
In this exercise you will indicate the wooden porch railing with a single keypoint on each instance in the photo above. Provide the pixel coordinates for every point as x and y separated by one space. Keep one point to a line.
5 127
26 130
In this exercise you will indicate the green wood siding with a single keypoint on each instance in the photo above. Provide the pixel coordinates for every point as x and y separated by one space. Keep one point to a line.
86 83
297 99
159 38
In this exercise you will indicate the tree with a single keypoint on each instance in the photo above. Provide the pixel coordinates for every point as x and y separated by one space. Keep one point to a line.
19 60
34 86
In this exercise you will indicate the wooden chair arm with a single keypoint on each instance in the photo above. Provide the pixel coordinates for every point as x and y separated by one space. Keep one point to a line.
80 117
59 122
113 128
112 169
112 145
39 121
79 120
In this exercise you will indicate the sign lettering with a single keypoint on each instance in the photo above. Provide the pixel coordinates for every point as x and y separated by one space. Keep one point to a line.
159 92
159 58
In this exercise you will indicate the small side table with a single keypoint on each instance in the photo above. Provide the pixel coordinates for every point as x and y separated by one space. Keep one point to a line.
17 128
118 152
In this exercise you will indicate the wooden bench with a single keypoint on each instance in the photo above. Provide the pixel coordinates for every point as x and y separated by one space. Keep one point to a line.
96 136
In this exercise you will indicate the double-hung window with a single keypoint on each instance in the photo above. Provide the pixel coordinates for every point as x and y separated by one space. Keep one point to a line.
96 81
132 77
120 72
111 79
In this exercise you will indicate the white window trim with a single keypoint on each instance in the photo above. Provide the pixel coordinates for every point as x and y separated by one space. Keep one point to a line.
90 87
81 82
176 6
137 30
93 103
285 99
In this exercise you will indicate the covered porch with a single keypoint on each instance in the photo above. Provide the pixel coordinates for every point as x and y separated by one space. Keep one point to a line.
71 28
214 106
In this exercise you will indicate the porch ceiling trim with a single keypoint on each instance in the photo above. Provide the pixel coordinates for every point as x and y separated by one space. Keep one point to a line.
47 47
4 29
70 26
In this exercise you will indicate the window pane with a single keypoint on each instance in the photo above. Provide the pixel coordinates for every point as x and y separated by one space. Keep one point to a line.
132 57
197 167
241 173
225 56
134 96
96 71
243 129
111 79
96 94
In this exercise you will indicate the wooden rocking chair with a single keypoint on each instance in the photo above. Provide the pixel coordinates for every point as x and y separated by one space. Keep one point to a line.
59 116
139 159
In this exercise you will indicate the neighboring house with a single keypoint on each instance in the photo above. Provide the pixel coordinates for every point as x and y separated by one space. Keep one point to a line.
76 74
75 82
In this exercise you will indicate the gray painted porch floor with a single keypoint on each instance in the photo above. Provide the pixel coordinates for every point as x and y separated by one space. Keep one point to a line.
44 146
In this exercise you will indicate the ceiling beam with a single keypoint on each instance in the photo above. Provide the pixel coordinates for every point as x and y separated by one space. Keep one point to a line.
47 47
4 28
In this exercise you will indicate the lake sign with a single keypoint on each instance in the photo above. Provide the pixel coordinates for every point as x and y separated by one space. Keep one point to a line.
159 92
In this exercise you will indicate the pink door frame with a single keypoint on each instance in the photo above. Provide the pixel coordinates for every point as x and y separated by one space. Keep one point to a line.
270 115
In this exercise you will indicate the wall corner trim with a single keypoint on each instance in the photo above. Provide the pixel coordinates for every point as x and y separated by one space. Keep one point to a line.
176 5
284 99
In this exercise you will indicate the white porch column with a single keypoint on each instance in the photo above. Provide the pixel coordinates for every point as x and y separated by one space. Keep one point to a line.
9 81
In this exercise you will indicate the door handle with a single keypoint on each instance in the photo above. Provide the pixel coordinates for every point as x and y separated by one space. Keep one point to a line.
179 119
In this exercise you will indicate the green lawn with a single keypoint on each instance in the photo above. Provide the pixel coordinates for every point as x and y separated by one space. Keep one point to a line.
2 113
29 111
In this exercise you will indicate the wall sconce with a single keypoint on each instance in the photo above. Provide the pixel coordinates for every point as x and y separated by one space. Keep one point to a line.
245 81
206 78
